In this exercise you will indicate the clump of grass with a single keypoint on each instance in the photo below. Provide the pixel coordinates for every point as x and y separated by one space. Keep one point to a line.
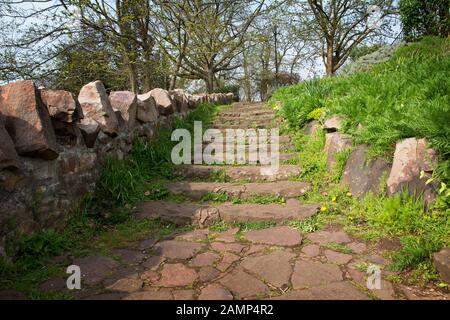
415 250
339 166
220 226
216 197
337 247
312 157
221 197
217 176
296 107
308 225
255 225
259 199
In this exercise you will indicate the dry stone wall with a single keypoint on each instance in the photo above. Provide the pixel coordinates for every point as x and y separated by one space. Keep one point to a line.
52 144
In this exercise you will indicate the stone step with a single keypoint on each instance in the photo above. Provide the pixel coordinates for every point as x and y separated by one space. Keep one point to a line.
247 113
246 122
281 148
196 190
282 140
204 215
239 173
245 117
251 108
243 104
253 125
254 158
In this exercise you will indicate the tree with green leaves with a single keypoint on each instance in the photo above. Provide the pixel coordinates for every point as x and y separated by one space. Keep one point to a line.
424 18
84 58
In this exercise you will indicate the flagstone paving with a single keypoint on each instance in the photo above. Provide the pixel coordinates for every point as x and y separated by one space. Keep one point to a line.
275 262
271 263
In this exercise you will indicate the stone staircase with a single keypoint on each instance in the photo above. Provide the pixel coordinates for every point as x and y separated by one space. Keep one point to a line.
273 260
238 181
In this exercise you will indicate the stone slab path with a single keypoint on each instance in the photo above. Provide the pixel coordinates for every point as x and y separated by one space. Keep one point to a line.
273 263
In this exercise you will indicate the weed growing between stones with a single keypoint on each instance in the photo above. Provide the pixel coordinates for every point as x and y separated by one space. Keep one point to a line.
309 225
337 247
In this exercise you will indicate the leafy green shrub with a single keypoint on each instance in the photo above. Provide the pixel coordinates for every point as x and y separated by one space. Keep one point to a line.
415 250
312 157
339 166
366 62
315 114
296 107
218 197
307 225
234 88
34 248
364 50
120 182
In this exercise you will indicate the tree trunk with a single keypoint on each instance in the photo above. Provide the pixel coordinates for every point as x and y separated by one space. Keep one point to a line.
132 75
173 81
246 84
330 60
147 84
134 87
209 81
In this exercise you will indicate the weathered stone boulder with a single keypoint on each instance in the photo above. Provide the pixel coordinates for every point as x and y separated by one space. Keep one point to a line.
215 97
8 155
67 133
89 129
27 120
199 98
195 101
311 128
163 101
334 143
146 129
192 102
180 100
362 175
147 110
333 124
441 261
410 158
65 111
96 108
62 105
126 103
